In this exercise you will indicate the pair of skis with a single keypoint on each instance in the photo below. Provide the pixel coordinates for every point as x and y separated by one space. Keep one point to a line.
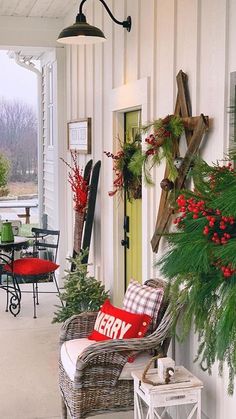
91 175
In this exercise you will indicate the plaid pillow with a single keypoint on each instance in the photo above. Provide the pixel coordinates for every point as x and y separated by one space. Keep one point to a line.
143 299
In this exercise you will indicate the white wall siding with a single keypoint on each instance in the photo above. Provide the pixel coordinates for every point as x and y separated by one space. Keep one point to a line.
48 157
197 36
54 171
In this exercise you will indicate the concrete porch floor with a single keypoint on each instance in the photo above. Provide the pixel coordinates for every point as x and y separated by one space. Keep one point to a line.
28 361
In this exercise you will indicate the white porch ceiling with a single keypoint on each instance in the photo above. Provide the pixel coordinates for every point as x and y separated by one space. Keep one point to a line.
36 8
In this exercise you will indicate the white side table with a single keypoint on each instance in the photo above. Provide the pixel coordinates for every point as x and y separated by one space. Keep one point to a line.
185 390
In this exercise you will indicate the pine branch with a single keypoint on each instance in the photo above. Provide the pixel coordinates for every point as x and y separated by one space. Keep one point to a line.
201 264
81 292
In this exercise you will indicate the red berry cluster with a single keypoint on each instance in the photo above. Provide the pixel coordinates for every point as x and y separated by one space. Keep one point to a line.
222 224
187 206
150 140
227 270
220 169
219 229
225 168
153 146
155 140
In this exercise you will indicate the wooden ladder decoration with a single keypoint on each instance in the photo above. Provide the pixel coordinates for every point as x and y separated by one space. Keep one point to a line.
195 128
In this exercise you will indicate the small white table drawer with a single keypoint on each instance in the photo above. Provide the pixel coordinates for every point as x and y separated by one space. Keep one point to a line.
169 399
185 390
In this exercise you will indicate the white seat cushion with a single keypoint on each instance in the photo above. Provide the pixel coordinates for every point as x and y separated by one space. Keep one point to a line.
139 363
71 349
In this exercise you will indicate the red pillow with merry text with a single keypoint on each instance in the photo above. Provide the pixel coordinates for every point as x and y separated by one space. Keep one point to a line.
115 323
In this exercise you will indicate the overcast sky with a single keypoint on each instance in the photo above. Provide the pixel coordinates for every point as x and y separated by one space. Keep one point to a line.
17 82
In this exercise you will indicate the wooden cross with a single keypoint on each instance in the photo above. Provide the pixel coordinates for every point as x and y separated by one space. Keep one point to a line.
195 128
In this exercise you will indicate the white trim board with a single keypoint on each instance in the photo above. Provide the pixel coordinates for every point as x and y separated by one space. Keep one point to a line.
134 95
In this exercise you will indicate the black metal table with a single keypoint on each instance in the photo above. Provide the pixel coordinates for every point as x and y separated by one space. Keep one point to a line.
7 255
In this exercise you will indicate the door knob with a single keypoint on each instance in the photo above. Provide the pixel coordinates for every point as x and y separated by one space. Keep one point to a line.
126 224
125 242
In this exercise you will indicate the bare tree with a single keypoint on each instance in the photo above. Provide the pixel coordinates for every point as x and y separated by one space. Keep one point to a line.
18 138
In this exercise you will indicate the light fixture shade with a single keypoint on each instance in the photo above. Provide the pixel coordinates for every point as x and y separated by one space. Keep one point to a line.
81 33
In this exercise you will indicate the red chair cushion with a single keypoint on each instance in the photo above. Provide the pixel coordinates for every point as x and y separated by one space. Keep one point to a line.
32 266
115 323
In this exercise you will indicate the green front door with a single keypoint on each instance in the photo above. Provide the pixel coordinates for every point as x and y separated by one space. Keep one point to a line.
132 214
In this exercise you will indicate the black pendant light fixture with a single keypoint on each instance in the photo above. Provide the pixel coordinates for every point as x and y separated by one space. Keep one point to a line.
83 33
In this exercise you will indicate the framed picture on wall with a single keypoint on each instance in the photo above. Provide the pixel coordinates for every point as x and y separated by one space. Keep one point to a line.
79 135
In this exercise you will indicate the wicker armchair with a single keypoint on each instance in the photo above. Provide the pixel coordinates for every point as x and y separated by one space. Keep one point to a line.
97 387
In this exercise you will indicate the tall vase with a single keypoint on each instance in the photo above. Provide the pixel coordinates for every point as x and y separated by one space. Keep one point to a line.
78 231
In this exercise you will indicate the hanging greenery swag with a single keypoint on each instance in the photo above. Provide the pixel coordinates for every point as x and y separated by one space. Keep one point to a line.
161 142
130 161
125 179
201 263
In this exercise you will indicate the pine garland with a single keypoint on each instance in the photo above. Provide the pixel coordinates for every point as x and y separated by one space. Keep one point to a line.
130 162
201 263
127 179
160 144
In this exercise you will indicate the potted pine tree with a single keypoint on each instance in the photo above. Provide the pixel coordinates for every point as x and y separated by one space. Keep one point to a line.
82 292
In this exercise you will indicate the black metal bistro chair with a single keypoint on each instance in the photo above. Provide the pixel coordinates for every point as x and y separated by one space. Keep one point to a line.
39 265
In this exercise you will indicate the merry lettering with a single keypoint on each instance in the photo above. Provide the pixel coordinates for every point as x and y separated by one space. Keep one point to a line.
110 326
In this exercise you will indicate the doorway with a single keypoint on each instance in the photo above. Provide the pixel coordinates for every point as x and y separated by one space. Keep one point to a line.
19 140
132 213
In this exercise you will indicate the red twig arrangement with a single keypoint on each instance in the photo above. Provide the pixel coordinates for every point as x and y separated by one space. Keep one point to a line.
78 184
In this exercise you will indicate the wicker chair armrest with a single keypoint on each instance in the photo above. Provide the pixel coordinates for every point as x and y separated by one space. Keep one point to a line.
78 326
118 345
102 363
101 352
